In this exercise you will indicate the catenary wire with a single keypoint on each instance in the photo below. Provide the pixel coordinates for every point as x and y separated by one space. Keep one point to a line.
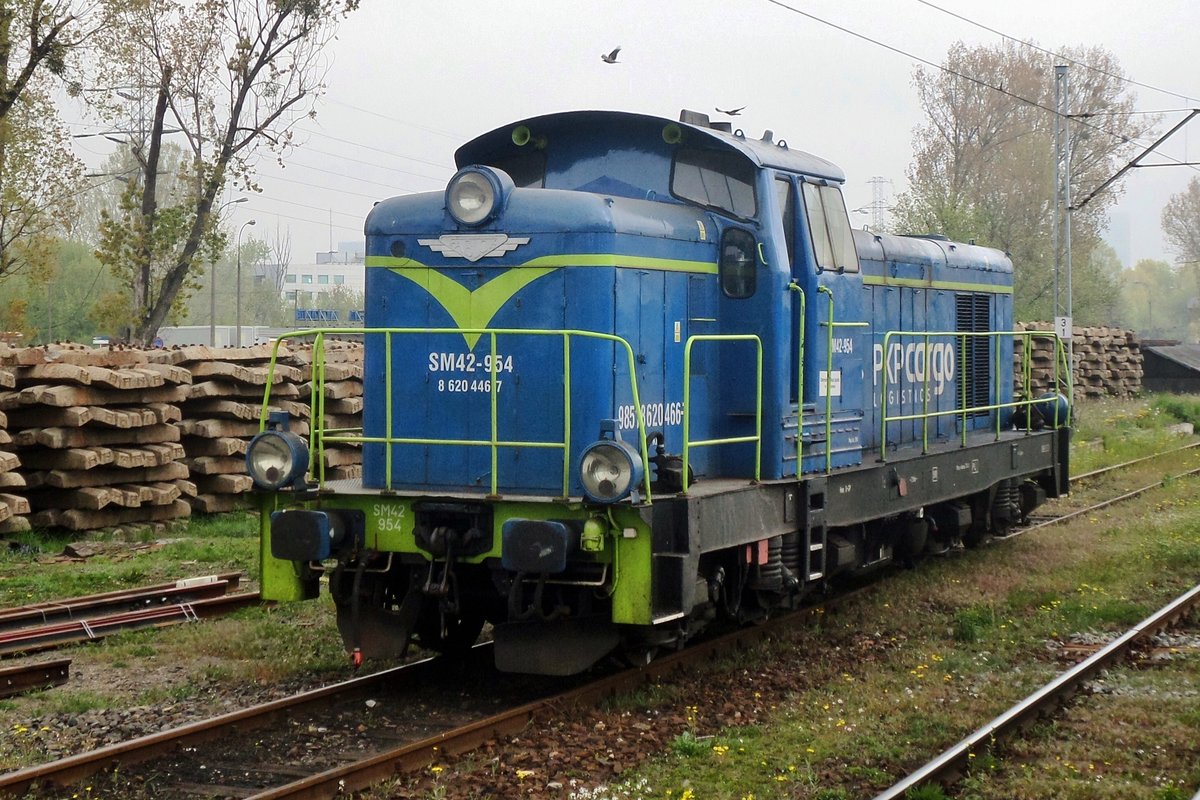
1085 65
970 78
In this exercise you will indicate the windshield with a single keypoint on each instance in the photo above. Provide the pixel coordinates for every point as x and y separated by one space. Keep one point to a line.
717 179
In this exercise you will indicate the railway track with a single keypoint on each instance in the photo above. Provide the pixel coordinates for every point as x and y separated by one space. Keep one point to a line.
44 626
186 760
952 764
1096 473
260 752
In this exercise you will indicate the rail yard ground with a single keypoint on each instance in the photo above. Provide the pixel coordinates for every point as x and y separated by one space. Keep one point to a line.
844 706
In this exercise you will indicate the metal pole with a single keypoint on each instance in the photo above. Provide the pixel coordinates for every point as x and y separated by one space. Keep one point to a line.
212 307
1063 321
212 298
238 299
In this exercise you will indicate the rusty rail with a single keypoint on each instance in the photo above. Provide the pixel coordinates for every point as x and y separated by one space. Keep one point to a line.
31 677
46 637
953 762
95 604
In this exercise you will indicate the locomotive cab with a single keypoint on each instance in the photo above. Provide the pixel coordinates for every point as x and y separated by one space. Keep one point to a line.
625 376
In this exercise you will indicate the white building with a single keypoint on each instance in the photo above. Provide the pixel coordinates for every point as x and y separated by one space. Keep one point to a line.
303 284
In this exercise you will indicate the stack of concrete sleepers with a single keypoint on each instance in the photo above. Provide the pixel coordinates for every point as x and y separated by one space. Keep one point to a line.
342 402
221 416
94 429
14 507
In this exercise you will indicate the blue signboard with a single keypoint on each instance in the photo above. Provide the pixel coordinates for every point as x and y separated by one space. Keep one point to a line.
316 315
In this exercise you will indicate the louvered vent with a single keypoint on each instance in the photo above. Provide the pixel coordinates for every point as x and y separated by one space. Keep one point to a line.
973 313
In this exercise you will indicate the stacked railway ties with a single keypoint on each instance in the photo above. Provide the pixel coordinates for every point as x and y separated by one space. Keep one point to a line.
180 758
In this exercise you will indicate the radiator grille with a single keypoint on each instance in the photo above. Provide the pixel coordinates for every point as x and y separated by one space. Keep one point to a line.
973 314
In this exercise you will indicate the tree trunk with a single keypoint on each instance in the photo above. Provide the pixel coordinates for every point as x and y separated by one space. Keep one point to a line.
143 291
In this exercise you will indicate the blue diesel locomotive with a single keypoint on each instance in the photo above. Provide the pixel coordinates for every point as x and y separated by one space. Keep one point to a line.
626 376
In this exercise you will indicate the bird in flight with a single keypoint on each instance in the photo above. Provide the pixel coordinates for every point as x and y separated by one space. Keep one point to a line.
733 112
611 58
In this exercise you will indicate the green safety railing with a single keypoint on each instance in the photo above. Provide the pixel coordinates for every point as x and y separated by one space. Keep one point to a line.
319 436
831 325
687 397
963 409
795 287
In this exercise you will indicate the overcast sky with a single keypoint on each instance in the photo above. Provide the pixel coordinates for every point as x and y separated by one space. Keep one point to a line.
409 82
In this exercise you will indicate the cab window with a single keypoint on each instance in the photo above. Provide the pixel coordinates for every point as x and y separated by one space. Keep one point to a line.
833 241
527 170
739 277
785 202
716 179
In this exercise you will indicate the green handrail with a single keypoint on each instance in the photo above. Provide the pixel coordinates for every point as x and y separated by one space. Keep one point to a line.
831 325
319 436
964 409
687 395
795 287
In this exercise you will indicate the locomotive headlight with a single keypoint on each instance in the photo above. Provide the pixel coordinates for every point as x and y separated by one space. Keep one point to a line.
476 194
609 469
276 458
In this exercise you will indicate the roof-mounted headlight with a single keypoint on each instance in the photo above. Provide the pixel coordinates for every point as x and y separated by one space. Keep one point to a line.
610 469
277 458
476 194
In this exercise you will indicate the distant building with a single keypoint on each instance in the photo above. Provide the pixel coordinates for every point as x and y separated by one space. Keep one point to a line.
303 284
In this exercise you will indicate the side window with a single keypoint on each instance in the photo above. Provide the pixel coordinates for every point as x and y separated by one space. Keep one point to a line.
738 268
785 200
844 254
833 242
814 208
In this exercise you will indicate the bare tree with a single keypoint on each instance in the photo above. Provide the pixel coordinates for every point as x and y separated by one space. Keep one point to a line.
1181 223
280 249
231 77
984 159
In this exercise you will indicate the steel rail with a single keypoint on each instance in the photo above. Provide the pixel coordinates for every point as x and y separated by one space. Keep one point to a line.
30 677
361 774
416 755
1102 470
74 768
46 637
94 604
953 762
1096 507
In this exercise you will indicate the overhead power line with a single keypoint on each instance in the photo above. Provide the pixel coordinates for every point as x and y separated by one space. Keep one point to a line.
950 71
1060 56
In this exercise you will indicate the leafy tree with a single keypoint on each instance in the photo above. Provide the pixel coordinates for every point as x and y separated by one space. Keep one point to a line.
1181 222
984 162
39 176
58 307
232 77
1156 299
40 180
35 38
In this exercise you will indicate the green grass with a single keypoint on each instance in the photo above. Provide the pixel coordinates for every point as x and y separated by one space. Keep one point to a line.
1110 431
970 637
31 571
